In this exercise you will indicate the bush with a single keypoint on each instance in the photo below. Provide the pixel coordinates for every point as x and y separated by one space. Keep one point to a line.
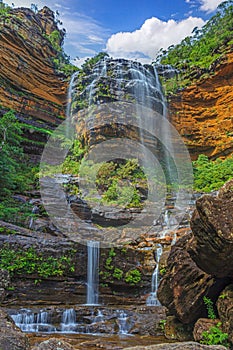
211 175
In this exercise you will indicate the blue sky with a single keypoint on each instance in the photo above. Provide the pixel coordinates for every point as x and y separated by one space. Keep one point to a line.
125 28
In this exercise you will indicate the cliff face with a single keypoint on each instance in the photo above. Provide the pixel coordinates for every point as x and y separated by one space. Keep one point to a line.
29 82
203 112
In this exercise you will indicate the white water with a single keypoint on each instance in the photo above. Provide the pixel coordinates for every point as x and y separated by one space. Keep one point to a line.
68 323
92 273
152 300
123 323
30 322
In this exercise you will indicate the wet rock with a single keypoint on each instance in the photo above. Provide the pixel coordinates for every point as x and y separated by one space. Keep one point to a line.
225 310
175 330
211 246
53 344
11 338
179 346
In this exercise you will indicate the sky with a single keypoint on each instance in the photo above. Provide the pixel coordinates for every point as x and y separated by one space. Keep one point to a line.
125 28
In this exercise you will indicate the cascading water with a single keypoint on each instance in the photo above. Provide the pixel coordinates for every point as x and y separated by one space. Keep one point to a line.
68 323
93 272
152 300
30 322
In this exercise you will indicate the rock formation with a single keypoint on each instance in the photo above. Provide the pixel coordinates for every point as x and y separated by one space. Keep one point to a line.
202 113
30 84
200 265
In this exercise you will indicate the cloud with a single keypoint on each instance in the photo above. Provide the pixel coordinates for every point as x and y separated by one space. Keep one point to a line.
209 5
153 35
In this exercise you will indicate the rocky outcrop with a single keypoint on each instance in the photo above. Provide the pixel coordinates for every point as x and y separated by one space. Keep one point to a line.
30 84
211 246
200 264
184 284
120 269
11 338
202 113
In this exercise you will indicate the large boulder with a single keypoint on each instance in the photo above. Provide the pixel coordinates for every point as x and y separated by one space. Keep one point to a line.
211 246
11 338
184 285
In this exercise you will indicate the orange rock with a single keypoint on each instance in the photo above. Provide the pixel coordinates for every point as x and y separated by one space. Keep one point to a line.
203 113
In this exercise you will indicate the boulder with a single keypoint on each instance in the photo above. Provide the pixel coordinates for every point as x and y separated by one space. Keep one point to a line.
225 310
11 338
184 284
53 344
211 246
178 346
175 330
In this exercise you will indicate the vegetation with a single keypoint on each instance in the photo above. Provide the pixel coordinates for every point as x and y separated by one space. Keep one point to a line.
4 9
16 174
211 175
210 308
215 336
29 261
195 54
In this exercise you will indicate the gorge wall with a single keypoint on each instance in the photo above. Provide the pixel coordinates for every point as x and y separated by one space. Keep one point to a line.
30 84
203 112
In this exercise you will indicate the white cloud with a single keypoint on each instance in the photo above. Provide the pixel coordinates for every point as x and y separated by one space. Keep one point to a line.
153 35
210 5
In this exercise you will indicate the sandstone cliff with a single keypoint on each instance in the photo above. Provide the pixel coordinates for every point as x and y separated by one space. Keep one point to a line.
30 84
203 112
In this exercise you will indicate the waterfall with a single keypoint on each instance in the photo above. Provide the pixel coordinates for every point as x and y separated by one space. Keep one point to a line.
93 272
29 321
152 300
68 324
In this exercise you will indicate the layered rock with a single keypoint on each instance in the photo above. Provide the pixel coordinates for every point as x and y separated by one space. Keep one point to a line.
202 113
32 287
29 83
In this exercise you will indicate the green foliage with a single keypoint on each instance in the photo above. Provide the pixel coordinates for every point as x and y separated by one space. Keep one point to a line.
55 39
29 261
162 324
195 54
210 308
14 212
133 277
118 273
71 164
211 175
162 271
118 181
90 62
215 336
10 154
4 9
